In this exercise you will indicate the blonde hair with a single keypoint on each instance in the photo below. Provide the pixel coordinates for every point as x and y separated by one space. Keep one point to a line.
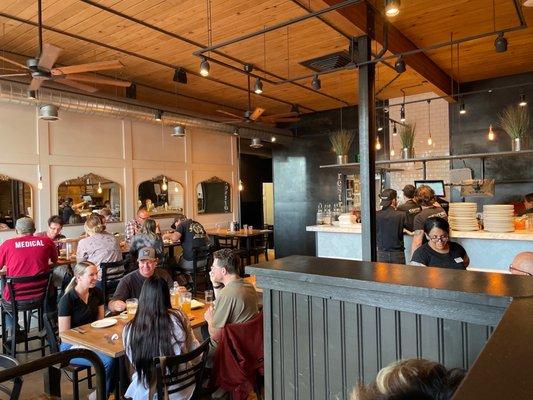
78 270
94 224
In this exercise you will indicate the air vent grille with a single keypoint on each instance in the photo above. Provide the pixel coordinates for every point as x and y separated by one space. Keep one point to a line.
328 61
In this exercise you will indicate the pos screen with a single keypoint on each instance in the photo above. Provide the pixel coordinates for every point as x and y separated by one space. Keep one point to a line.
436 185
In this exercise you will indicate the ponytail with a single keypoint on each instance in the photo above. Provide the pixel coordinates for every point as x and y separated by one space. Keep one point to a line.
78 270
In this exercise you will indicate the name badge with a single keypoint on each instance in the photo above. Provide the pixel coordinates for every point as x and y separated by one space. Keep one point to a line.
458 260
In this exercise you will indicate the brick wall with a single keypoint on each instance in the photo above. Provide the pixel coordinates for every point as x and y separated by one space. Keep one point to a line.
440 133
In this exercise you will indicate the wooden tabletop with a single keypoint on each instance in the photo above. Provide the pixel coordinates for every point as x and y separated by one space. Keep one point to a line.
95 339
241 233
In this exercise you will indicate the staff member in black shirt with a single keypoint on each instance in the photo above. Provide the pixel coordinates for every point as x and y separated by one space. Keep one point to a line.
439 251
410 207
389 229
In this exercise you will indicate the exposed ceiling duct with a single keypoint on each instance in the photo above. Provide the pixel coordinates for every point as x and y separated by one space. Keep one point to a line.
16 93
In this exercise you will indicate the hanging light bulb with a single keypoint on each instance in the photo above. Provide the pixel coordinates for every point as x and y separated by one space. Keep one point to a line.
204 67
241 187
176 189
491 135
523 101
402 113
462 109
315 83
430 140
40 183
99 190
392 7
394 130
273 139
392 152
164 186
378 143
258 86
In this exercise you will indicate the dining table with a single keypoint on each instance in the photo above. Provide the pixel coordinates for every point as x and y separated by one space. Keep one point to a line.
247 234
109 341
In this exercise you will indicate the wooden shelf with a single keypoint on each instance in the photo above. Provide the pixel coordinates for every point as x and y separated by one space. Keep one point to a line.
437 158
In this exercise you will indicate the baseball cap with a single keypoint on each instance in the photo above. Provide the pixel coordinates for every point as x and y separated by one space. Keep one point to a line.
387 196
146 253
25 225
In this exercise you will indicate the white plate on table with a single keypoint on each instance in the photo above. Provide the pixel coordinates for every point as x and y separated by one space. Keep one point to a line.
104 323
196 304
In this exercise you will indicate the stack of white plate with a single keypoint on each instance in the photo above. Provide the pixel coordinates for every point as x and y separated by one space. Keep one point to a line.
498 217
462 216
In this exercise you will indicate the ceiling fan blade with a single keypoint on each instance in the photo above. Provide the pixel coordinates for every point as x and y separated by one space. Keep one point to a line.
90 67
97 79
49 56
78 85
295 119
257 113
13 62
14 70
36 83
228 113
10 75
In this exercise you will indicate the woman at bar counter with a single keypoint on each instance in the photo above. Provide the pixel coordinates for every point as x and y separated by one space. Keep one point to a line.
439 251
82 304
156 330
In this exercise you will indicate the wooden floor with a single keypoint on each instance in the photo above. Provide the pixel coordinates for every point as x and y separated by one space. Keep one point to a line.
32 387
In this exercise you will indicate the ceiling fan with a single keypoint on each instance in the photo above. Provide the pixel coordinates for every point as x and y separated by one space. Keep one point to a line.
257 113
42 69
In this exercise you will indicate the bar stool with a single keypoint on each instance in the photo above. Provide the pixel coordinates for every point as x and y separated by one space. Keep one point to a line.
112 273
35 289
203 253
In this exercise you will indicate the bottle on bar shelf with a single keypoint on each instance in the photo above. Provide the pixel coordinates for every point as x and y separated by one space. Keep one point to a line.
319 215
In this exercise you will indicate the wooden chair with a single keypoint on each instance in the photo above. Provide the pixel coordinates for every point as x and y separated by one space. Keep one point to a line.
36 288
72 370
7 362
203 253
173 379
261 245
112 273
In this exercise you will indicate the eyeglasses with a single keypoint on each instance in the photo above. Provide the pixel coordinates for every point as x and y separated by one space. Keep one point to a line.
443 238
511 268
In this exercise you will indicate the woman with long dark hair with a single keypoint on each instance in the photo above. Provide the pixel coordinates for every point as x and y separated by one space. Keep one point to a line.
439 251
156 330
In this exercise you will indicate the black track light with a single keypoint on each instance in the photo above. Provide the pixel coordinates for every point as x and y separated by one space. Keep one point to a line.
180 75
500 44
131 91
462 108
315 83
204 67
258 88
392 7
523 101
402 113
399 66
32 94
295 109
158 115
236 132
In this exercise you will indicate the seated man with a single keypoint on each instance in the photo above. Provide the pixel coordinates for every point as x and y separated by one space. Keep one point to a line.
130 285
134 226
55 225
191 234
236 300
522 264
25 255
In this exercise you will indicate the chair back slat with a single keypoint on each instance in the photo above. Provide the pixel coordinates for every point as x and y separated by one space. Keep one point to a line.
7 362
34 288
52 331
172 379
112 273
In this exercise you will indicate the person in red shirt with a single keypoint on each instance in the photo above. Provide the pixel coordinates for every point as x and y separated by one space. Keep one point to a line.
25 255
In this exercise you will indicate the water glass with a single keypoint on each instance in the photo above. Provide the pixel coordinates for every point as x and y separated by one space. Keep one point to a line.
250 228
209 297
186 298
245 227
131 306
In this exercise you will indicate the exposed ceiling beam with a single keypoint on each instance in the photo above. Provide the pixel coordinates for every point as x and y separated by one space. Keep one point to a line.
362 12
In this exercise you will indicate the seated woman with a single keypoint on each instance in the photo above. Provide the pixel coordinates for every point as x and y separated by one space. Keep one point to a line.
147 238
156 330
411 379
99 246
82 304
439 251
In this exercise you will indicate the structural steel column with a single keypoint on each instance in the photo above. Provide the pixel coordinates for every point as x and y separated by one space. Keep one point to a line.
367 139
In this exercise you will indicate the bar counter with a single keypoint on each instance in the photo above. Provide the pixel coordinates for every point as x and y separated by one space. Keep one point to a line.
331 323
488 251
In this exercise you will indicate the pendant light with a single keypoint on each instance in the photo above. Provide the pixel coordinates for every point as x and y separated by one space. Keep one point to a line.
315 83
258 88
176 189
523 101
392 7
430 140
99 190
40 182
378 143
462 108
402 113
491 136
394 130
204 67
164 186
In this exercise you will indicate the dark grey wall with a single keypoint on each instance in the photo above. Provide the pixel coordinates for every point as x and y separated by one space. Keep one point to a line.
468 134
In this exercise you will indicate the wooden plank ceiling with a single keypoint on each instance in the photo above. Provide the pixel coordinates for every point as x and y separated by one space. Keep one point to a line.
148 55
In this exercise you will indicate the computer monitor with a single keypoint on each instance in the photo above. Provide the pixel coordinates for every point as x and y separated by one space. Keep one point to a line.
436 185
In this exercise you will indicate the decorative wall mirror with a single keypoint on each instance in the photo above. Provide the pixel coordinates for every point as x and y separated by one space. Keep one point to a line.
81 196
213 196
161 196
15 201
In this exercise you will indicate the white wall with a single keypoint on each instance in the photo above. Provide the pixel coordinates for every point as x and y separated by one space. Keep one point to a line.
440 133
127 152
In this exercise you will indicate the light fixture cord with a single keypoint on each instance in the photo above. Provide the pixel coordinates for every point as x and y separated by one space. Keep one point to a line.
494 15
264 53
209 25
429 118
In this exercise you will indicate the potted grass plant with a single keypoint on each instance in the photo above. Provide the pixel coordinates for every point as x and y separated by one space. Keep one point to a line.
514 120
407 139
341 141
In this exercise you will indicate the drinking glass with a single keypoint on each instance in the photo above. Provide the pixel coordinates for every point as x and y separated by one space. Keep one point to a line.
175 299
250 228
209 297
245 227
186 299
131 306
